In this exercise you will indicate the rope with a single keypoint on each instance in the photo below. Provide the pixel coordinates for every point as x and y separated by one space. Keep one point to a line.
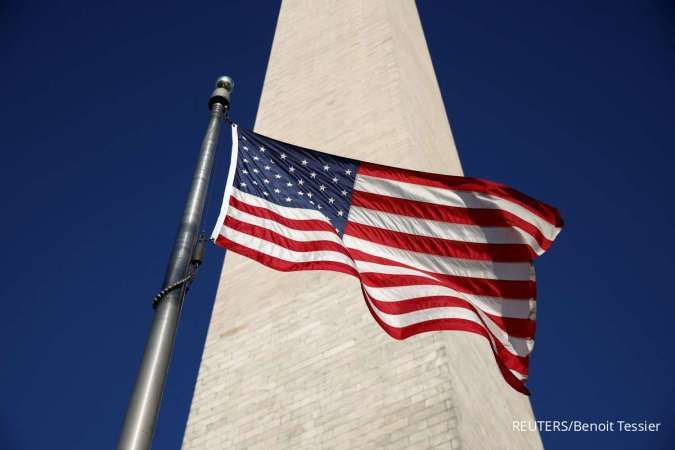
170 288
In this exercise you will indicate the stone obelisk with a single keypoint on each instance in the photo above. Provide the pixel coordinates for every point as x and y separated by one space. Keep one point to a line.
294 360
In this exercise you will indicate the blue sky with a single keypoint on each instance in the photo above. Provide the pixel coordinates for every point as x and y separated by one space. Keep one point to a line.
103 107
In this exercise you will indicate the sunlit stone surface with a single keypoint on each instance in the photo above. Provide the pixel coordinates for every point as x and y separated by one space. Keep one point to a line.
294 360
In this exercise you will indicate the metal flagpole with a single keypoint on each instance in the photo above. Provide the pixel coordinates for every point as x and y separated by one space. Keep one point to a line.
141 417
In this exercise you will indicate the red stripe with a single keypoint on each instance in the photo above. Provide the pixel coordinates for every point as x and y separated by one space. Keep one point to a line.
281 264
377 279
514 382
445 213
418 304
514 289
452 325
518 363
456 183
442 247
513 326
522 328
276 238
302 225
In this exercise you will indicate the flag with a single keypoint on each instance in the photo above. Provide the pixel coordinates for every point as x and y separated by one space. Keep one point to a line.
432 252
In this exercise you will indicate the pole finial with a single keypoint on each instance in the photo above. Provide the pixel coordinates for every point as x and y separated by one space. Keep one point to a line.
221 94
225 82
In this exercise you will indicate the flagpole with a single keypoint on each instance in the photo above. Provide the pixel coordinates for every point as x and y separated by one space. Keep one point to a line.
143 409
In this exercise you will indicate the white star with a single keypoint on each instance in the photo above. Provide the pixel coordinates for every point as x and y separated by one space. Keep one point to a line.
265 194
326 167
312 202
337 230
276 191
283 156
300 193
313 174
245 147
276 175
291 169
256 158
343 192
304 162
266 181
288 199
244 171
245 160
335 180
340 213
255 182
309 194
348 172
322 188
262 149
243 137
255 171
301 182
319 206
267 167
331 200
289 184
242 184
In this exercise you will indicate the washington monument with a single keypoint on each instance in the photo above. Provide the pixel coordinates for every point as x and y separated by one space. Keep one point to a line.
295 360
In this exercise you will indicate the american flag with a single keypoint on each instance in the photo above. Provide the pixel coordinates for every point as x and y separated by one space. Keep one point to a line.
432 252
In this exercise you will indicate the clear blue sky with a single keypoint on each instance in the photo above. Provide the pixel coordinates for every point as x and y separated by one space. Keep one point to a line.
103 106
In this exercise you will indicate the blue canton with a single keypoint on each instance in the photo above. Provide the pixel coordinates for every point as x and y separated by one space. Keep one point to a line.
295 177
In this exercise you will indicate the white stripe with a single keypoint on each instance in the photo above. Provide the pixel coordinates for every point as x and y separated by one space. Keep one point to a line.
462 199
444 264
367 266
517 309
517 346
425 315
443 230
234 154
289 213
291 233
518 375
277 251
